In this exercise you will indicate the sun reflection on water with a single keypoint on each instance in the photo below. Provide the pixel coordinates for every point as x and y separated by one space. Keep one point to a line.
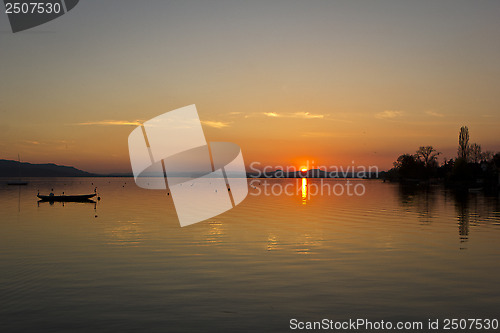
215 233
304 191
273 243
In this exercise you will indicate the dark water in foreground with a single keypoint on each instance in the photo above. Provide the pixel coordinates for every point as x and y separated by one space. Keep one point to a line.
126 265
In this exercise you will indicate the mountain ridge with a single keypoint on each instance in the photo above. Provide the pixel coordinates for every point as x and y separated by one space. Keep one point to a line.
9 169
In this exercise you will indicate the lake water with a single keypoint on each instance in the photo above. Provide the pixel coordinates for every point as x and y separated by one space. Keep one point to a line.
125 264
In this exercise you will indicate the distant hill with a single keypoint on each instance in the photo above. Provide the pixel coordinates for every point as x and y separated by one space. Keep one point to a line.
11 169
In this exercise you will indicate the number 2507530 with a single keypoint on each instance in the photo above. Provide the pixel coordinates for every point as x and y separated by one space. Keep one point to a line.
32 8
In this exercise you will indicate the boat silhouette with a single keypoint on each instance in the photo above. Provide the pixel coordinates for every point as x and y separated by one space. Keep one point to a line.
68 198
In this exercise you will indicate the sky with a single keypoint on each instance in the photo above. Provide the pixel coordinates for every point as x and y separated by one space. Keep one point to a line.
289 81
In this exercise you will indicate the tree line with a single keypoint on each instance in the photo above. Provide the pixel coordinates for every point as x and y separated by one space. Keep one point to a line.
471 166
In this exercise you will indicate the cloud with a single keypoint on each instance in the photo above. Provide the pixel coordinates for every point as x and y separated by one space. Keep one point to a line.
31 142
54 144
215 124
434 114
389 114
113 123
305 115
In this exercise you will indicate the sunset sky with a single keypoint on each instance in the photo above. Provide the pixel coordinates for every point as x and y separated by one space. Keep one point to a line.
288 81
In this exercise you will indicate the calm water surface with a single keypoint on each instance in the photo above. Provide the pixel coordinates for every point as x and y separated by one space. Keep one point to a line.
125 264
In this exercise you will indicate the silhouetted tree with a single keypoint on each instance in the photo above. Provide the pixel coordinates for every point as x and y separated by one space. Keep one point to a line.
463 143
475 154
445 170
428 155
403 160
461 170
487 156
496 160
408 167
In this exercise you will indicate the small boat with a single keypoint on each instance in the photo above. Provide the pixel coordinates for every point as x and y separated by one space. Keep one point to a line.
66 198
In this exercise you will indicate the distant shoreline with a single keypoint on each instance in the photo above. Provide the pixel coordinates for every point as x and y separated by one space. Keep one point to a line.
22 170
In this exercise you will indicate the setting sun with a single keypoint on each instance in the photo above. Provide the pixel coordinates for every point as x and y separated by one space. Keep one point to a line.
303 169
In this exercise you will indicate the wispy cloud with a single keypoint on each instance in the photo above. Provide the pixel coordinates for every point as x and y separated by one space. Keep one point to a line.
389 114
434 114
54 144
113 123
215 124
305 115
